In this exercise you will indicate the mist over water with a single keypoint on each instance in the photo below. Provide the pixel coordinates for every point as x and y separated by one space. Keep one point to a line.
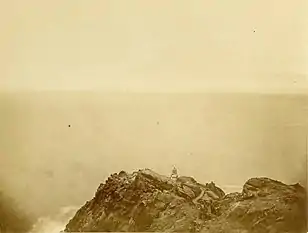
57 147
54 224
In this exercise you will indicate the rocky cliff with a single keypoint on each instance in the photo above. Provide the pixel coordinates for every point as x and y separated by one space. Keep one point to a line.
146 201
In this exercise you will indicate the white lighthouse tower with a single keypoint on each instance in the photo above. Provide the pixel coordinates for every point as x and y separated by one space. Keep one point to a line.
174 173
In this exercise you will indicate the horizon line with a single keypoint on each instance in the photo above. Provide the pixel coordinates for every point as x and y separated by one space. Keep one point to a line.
98 91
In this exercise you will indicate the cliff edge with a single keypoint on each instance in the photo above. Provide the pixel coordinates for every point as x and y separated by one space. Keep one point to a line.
149 202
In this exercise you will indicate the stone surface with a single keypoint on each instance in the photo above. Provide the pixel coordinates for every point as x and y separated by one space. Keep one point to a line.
146 201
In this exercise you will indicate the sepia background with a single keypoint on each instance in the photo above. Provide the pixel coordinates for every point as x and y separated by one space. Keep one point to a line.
89 88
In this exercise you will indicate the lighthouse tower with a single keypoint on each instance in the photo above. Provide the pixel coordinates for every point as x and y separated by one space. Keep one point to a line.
174 173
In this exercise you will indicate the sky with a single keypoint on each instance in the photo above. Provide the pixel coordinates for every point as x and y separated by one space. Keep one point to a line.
154 46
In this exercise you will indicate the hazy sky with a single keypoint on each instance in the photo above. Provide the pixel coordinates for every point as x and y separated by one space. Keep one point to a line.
258 45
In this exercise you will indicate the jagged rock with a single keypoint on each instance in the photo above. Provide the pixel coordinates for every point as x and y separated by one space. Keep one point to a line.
186 179
265 205
146 201
219 193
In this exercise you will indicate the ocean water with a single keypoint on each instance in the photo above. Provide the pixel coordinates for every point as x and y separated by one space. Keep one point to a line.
224 138
56 223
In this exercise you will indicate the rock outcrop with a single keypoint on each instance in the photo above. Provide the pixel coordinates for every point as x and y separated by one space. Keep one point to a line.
265 205
149 202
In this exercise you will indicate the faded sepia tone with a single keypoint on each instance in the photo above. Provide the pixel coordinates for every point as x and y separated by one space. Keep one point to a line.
154 45
89 88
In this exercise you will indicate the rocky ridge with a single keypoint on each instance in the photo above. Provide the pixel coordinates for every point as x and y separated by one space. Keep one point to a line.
148 202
